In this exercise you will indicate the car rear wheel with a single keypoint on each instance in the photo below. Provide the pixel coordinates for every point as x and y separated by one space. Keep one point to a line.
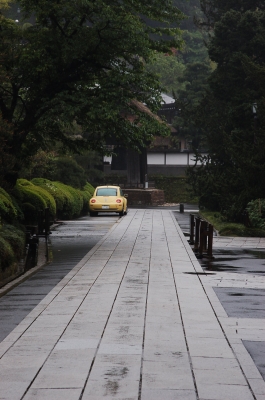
121 213
93 213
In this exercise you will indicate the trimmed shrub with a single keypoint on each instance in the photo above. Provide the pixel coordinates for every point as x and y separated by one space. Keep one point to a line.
86 197
68 209
8 211
54 191
256 213
7 256
70 202
46 196
15 237
49 200
87 193
175 188
89 188
30 199
77 204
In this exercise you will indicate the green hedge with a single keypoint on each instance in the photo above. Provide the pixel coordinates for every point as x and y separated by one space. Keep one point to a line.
59 196
175 188
31 193
8 210
12 245
30 200
70 202
256 213
32 197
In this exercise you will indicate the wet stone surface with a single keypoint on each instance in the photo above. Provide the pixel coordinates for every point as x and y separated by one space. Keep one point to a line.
70 242
257 352
237 302
242 303
240 261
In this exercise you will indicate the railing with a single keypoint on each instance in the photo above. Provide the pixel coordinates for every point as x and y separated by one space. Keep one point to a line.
201 237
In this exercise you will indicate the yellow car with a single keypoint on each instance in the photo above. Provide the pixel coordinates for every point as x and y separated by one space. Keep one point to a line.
108 199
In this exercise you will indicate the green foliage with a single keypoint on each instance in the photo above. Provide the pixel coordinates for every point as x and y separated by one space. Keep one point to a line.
194 49
72 170
12 247
86 193
233 173
7 160
175 188
72 204
89 188
256 213
75 85
169 68
213 10
7 256
37 196
47 198
58 195
15 237
8 211
77 204
67 171
42 164
195 79
226 228
30 199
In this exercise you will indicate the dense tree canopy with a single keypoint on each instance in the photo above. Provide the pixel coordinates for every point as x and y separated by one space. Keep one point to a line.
233 173
213 10
71 76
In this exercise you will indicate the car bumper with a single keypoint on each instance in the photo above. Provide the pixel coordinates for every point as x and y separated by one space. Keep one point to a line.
111 208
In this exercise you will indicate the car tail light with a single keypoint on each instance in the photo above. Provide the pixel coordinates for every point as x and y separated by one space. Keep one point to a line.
118 201
93 200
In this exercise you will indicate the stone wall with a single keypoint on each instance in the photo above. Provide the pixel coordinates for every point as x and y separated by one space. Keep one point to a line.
145 197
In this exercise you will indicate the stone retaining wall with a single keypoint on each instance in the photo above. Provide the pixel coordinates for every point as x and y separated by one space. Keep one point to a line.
145 197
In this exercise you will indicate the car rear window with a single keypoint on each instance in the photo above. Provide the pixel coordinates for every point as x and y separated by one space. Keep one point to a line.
107 192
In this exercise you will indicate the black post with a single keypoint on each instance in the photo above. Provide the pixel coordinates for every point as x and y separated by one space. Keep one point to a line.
47 221
210 241
192 225
197 234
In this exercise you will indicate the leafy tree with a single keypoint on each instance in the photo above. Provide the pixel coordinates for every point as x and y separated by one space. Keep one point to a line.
195 78
232 174
169 68
82 64
213 10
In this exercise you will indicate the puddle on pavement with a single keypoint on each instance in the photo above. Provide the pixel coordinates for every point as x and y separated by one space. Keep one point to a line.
242 261
252 306
257 352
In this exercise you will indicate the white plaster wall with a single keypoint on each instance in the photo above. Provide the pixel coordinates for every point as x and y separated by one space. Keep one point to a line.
156 158
177 159
171 159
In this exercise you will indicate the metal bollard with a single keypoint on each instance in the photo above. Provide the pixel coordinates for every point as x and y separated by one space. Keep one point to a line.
181 208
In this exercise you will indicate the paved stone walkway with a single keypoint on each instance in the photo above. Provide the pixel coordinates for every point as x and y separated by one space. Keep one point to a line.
136 319
239 242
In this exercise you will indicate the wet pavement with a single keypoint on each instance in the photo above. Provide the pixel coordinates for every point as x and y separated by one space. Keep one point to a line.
237 275
138 318
70 242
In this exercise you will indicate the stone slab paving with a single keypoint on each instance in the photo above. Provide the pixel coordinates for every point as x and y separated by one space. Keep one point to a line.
133 321
239 242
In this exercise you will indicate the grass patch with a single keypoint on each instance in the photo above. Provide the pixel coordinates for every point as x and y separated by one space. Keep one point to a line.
226 228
